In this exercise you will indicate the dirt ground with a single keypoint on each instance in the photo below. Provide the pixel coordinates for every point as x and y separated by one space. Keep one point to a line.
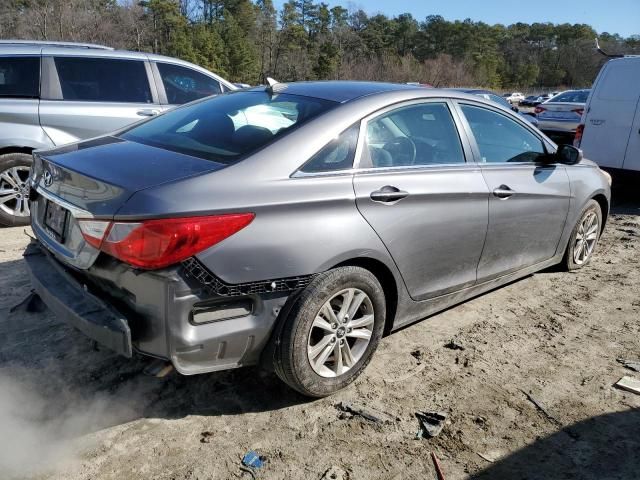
70 412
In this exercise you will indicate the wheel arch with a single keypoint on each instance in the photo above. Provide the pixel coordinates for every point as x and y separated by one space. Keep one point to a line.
604 207
26 150
387 281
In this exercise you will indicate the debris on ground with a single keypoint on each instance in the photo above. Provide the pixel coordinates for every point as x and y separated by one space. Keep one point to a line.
431 423
335 473
437 466
205 437
453 345
630 364
366 412
252 460
629 384
541 407
408 375
31 304
491 456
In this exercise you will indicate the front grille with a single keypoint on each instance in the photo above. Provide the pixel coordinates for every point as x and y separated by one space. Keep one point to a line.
196 270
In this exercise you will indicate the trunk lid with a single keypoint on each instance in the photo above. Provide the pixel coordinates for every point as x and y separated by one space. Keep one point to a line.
94 179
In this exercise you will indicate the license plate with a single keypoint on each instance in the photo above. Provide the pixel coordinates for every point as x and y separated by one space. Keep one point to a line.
55 219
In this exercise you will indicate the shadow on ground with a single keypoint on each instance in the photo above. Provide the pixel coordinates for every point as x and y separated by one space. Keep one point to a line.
603 448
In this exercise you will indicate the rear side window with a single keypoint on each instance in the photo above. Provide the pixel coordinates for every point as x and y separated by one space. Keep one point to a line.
103 80
501 139
19 77
228 127
184 85
336 155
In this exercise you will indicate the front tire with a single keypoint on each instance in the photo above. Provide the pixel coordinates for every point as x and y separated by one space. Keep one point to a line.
331 332
584 237
14 189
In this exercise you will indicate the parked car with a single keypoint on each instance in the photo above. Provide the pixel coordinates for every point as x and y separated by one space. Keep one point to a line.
513 97
52 93
535 100
489 95
610 127
295 248
561 114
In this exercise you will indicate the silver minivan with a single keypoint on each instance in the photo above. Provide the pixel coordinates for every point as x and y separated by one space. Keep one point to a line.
53 93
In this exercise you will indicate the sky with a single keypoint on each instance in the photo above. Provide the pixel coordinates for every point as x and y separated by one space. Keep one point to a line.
612 16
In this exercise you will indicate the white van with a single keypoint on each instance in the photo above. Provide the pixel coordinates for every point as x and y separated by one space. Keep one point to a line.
609 132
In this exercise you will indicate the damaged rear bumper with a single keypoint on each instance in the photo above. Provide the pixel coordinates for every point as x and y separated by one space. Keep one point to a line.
70 302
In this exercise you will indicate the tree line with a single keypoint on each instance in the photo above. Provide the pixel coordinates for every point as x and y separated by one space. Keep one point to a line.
247 41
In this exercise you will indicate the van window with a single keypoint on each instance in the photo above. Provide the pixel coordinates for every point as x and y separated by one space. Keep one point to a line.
621 81
19 77
185 84
103 80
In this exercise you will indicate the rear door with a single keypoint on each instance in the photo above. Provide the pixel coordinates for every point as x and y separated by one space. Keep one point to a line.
610 115
426 203
178 84
529 201
85 97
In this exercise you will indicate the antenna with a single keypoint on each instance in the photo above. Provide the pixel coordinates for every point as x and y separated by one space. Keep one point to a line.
605 53
274 86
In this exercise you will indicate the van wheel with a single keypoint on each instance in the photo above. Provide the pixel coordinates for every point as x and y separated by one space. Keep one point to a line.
14 189
584 237
331 331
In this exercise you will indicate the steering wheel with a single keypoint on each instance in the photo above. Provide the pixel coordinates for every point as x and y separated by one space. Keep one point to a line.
403 151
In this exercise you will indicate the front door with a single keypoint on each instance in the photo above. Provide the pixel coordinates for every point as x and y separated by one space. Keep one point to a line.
425 202
528 202
86 97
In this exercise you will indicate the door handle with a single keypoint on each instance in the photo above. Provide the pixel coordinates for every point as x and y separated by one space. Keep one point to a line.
388 194
148 112
503 191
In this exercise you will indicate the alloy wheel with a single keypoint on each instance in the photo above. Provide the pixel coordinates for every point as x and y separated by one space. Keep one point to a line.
586 238
340 333
14 191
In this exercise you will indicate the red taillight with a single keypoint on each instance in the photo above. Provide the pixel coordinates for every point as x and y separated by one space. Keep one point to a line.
578 138
540 109
159 243
579 111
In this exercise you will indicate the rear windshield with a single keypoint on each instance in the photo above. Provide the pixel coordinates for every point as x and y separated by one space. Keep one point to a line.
572 97
228 127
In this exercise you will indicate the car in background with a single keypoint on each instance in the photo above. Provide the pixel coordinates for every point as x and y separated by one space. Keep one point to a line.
494 97
535 100
560 115
54 93
513 97
213 244
609 132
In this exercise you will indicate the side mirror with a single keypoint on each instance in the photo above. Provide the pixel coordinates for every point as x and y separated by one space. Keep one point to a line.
568 155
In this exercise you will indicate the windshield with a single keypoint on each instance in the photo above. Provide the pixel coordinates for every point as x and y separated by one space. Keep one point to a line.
228 127
579 96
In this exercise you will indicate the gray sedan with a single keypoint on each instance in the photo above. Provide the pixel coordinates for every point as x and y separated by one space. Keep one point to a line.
293 226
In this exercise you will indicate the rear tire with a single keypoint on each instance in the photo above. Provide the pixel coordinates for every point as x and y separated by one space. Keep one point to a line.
320 348
14 189
584 237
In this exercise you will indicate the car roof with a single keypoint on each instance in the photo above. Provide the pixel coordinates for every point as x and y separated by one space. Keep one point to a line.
474 91
338 91
38 44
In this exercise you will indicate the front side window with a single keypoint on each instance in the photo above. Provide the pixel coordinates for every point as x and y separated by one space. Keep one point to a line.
103 80
415 135
336 155
228 127
184 85
19 77
501 139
